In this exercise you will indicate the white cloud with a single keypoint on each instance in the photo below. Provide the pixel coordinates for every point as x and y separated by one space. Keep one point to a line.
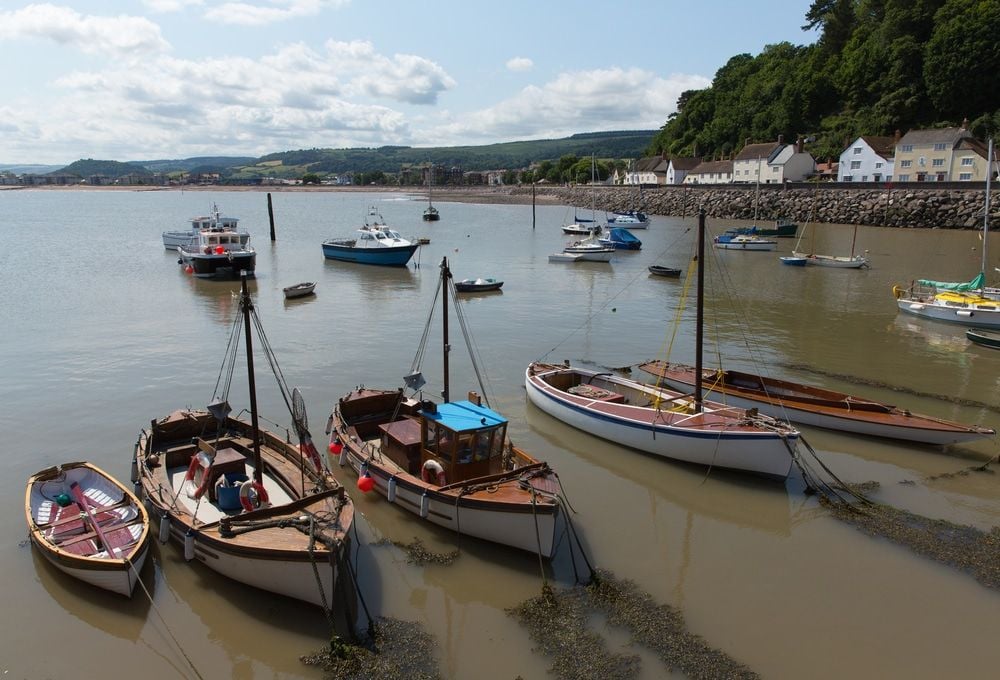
120 35
520 64
603 99
257 13
403 77
165 6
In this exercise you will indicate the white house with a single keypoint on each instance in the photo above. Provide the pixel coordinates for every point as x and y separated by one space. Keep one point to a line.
678 168
868 159
772 163
710 172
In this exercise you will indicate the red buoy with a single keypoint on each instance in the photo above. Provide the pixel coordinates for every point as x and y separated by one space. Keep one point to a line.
365 484
219 250
336 447
188 269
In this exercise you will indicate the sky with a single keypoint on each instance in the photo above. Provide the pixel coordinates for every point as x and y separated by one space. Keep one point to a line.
164 79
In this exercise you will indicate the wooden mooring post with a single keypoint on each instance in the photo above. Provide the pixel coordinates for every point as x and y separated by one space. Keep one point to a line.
270 215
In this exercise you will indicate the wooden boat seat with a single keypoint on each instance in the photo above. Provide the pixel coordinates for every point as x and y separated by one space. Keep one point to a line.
226 460
597 394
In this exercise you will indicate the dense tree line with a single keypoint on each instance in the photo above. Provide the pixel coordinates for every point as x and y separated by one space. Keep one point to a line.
878 66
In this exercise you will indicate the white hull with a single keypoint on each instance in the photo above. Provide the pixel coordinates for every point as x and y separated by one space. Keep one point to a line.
855 262
173 240
296 579
515 529
121 581
977 318
764 453
839 423
746 245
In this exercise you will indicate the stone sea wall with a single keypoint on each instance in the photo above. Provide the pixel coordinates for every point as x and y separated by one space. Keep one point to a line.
900 206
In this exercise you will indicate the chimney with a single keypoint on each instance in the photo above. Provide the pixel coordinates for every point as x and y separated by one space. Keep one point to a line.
798 144
965 123
747 142
781 138
898 136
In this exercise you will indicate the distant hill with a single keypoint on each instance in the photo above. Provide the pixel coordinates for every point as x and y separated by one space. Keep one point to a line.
389 159
28 168
89 167
506 155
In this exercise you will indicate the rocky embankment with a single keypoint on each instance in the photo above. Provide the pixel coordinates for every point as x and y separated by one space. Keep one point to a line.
895 207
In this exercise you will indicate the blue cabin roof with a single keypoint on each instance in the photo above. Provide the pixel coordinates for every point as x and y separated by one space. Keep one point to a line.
464 416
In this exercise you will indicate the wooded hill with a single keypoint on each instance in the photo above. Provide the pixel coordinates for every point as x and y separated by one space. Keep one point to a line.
877 67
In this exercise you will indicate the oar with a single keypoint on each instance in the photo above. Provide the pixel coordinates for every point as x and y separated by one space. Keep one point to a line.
82 501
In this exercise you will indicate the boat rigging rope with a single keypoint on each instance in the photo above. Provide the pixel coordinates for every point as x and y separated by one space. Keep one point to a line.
327 610
352 572
163 620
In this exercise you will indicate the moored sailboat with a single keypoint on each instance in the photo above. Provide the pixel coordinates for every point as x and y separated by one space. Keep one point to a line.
450 463
967 303
663 422
243 501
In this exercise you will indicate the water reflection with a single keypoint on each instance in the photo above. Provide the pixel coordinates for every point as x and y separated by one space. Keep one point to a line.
116 615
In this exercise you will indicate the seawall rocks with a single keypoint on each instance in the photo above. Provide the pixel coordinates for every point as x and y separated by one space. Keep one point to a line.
891 207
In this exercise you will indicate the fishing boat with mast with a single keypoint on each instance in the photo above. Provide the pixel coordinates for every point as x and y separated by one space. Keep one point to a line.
450 463
675 425
969 303
245 502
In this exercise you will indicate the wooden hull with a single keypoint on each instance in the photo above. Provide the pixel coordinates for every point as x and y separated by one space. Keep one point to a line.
664 271
516 507
66 536
657 421
815 406
984 338
270 547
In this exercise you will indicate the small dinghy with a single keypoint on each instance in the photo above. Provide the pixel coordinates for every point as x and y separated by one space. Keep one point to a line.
88 525
660 270
478 285
300 290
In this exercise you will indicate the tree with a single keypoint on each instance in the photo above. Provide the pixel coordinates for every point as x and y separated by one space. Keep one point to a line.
962 59
310 178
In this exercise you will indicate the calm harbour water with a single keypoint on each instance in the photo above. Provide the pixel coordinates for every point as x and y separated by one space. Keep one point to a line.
103 332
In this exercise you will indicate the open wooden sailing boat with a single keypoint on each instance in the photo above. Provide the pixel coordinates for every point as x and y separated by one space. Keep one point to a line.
851 261
816 406
968 303
450 463
88 525
245 502
664 422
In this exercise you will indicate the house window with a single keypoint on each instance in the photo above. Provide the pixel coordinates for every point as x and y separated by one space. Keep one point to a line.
940 177
876 177
937 162
905 164
857 150
878 165
966 161
907 148
939 147
848 178
904 178
864 178
855 165
965 176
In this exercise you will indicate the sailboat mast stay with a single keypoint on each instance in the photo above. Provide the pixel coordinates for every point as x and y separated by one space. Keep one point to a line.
986 209
699 317
246 302
445 275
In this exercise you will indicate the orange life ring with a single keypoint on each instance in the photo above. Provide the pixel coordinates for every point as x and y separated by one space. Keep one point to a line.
259 495
433 473
201 485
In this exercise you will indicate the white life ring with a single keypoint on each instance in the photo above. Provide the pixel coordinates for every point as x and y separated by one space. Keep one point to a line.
198 481
253 495
433 473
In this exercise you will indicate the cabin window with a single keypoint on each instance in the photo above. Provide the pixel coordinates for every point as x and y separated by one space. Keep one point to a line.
440 441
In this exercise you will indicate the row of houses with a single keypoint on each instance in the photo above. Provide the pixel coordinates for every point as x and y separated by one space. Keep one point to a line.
939 155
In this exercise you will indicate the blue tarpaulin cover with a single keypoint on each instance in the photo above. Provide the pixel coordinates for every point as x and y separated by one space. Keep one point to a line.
464 416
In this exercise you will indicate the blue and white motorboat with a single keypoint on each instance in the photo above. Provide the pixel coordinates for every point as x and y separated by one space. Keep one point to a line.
374 243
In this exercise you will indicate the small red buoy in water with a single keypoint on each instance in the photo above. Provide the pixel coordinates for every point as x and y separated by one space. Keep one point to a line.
188 269
365 484
336 447
219 250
